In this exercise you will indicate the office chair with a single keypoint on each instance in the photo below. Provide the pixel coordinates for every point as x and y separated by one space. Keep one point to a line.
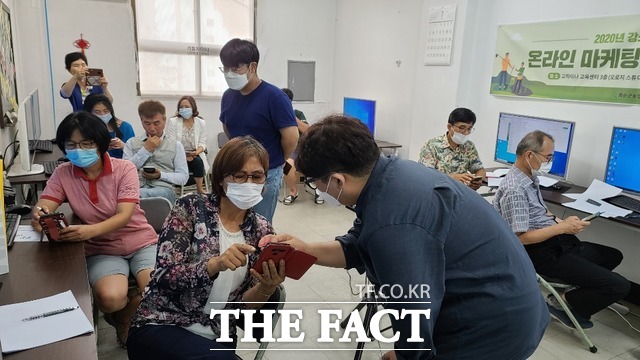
222 139
551 285
275 302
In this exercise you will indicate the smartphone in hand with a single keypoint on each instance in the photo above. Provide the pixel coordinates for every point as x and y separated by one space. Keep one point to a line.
149 169
93 77
592 216
52 223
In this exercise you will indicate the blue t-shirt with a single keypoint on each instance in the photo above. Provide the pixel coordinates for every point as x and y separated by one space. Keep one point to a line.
127 133
76 96
261 114
419 229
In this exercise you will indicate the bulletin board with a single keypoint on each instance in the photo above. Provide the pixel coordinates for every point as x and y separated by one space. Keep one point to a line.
8 90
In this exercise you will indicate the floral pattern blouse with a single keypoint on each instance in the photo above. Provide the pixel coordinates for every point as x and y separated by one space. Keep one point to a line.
180 285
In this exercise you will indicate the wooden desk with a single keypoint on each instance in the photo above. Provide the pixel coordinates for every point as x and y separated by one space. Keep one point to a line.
38 270
387 145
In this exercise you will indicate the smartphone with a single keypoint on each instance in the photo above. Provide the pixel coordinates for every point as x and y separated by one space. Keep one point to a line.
93 77
287 167
52 223
477 178
592 216
149 169
275 252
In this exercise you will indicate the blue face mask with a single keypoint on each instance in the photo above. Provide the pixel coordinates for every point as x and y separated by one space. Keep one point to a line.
185 113
83 157
106 118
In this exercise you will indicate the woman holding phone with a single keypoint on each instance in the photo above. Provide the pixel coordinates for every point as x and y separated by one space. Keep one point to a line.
103 193
206 249
76 89
120 130
191 131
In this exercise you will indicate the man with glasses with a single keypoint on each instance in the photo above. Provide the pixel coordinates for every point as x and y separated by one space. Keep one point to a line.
254 107
551 242
416 227
161 162
453 153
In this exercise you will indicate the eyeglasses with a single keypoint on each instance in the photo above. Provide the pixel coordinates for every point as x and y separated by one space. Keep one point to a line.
464 129
226 70
241 177
84 144
547 157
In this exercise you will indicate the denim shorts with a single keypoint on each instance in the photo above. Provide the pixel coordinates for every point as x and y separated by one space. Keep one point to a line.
104 265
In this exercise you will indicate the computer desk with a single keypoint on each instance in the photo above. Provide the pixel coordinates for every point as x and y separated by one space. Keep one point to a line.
38 270
38 178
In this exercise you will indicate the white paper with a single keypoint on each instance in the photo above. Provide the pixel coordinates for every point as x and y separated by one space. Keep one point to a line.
16 334
607 209
547 181
498 172
598 190
494 181
26 233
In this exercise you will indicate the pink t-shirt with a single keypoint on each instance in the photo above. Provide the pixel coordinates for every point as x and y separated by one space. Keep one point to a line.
94 201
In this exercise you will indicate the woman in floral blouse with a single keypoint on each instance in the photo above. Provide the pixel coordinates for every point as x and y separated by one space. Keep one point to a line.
205 252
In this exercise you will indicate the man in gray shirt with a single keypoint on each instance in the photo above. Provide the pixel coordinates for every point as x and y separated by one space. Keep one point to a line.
417 227
551 242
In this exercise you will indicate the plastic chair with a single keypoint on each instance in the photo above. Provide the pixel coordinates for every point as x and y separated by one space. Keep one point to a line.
222 139
275 302
551 285
156 209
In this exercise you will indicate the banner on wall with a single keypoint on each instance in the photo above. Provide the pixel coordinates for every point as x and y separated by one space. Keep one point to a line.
592 59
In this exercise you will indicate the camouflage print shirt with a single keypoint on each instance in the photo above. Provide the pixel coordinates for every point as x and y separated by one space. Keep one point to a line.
438 154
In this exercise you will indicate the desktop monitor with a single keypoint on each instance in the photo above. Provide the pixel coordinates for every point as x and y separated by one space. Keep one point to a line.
25 165
512 128
363 110
33 115
622 168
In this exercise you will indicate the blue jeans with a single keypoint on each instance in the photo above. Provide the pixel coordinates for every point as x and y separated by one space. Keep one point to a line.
267 207
158 191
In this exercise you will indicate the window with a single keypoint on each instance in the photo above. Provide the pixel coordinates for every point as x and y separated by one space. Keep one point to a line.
179 43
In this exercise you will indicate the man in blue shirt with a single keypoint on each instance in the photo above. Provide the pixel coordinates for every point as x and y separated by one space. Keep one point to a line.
418 228
254 107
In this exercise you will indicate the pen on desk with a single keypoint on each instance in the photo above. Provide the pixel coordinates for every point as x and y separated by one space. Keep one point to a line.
50 313
593 202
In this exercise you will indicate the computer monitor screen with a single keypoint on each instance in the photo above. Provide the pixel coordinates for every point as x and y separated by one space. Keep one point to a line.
24 165
363 110
512 128
622 168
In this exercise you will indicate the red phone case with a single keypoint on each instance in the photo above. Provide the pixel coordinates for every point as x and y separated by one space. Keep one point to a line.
52 223
296 262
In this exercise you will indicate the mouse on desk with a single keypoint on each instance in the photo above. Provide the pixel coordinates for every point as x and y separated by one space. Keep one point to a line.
557 186
63 158
20 209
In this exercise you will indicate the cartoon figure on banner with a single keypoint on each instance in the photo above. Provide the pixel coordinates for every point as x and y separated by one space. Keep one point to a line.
82 44
518 89
504 79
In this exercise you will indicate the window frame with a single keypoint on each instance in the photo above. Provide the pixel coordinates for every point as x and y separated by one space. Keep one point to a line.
178 48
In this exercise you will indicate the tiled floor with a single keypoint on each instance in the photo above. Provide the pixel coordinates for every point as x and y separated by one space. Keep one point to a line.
311 222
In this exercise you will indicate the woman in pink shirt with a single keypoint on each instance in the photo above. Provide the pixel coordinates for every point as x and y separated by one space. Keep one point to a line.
104 193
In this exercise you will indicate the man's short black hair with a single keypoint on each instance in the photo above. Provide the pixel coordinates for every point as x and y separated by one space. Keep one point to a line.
288 92
89 125
337 143
462 115
74 56
237 52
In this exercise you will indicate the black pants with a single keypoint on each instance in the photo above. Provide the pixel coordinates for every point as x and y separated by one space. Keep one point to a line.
585 265
166 342
196 166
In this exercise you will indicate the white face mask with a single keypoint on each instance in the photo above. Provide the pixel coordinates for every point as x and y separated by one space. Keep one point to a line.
236 81
545 167
244 196
328 198
459 138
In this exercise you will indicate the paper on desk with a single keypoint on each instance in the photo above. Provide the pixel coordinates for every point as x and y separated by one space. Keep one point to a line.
497 173
546 181
598 190
17 335
607 209
494 181
26 233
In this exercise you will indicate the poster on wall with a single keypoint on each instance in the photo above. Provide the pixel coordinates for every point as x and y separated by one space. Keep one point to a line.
8 99
441 22
592 59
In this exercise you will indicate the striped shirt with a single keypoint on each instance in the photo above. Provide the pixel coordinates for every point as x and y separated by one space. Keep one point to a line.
520 202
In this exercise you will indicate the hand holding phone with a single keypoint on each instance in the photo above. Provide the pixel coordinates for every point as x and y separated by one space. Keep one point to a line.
93 77
477 178
592 216
296 262
149 169
52 224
